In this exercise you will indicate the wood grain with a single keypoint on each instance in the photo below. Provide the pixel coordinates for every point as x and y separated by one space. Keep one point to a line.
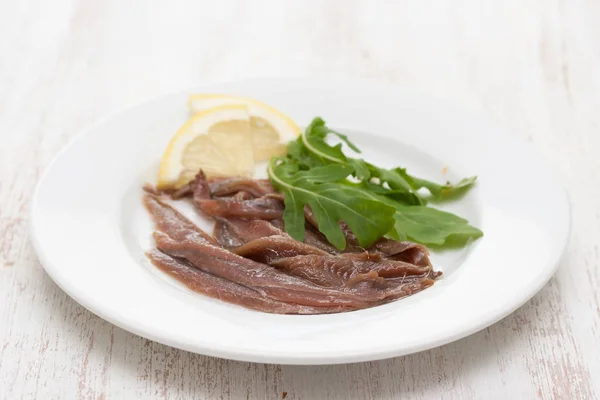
532 65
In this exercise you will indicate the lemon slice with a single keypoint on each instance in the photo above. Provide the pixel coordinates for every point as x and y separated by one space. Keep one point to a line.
270 129
216 140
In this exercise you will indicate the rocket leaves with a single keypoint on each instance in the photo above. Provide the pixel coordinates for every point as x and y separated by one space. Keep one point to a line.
330 202
372 201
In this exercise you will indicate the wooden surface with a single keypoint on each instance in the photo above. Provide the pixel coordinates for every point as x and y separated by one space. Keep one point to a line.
532 65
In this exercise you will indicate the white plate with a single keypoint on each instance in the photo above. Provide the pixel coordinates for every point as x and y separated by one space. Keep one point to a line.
90 229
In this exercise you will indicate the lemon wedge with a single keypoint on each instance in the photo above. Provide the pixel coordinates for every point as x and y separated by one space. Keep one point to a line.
216 140
270 129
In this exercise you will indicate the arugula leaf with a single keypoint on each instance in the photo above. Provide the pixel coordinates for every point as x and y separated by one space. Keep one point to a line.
314 139
361 169
425 225
404 187
297 152
431 226
400 183
397 195
325 174
330 202
376 202
447 191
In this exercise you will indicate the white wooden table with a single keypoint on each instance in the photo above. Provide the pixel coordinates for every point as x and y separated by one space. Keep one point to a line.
532 65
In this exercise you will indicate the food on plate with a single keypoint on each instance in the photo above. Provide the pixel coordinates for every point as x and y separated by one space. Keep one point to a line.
225 136
269 262
376 202
326 233
216 140
270 129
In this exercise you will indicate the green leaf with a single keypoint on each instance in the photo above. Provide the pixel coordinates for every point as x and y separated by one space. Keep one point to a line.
293 216
314 138
404 187
331 202
376 202
297 152
400 183
361 169
427 225
345 139
328 173
431 226
447 191
400 196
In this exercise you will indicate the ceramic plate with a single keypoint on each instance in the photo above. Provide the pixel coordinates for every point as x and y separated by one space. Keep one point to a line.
90 229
